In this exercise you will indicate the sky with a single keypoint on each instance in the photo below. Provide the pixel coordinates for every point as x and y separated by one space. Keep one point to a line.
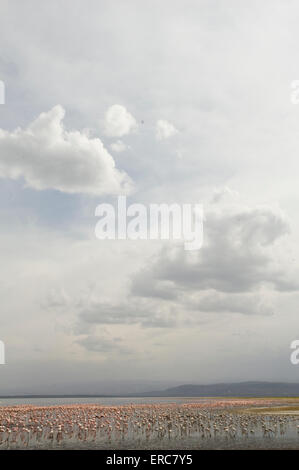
164 102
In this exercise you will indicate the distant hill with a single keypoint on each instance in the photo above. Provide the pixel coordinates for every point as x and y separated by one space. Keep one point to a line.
242 389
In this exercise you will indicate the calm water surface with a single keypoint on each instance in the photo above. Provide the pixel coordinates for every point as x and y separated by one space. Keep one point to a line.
108 401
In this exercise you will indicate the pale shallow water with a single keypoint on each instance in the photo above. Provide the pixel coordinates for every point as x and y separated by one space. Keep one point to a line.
105 401
182 423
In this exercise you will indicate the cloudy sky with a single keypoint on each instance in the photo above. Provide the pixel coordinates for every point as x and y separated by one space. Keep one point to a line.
165 102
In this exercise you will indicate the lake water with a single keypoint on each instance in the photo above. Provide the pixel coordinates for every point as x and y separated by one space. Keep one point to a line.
105 401
202 423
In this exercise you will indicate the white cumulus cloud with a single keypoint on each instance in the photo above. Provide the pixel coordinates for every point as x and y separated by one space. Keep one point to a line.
118 121
49 157
165 129
118 146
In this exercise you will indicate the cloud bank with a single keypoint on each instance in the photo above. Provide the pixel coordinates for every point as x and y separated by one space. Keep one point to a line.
231 273
47 156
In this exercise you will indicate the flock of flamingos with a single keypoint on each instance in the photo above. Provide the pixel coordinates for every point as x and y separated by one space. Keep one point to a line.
193 425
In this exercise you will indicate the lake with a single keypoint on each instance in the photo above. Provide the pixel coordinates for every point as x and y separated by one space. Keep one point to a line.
105 401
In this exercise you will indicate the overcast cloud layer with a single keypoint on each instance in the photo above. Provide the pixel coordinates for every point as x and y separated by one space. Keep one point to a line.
166 102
